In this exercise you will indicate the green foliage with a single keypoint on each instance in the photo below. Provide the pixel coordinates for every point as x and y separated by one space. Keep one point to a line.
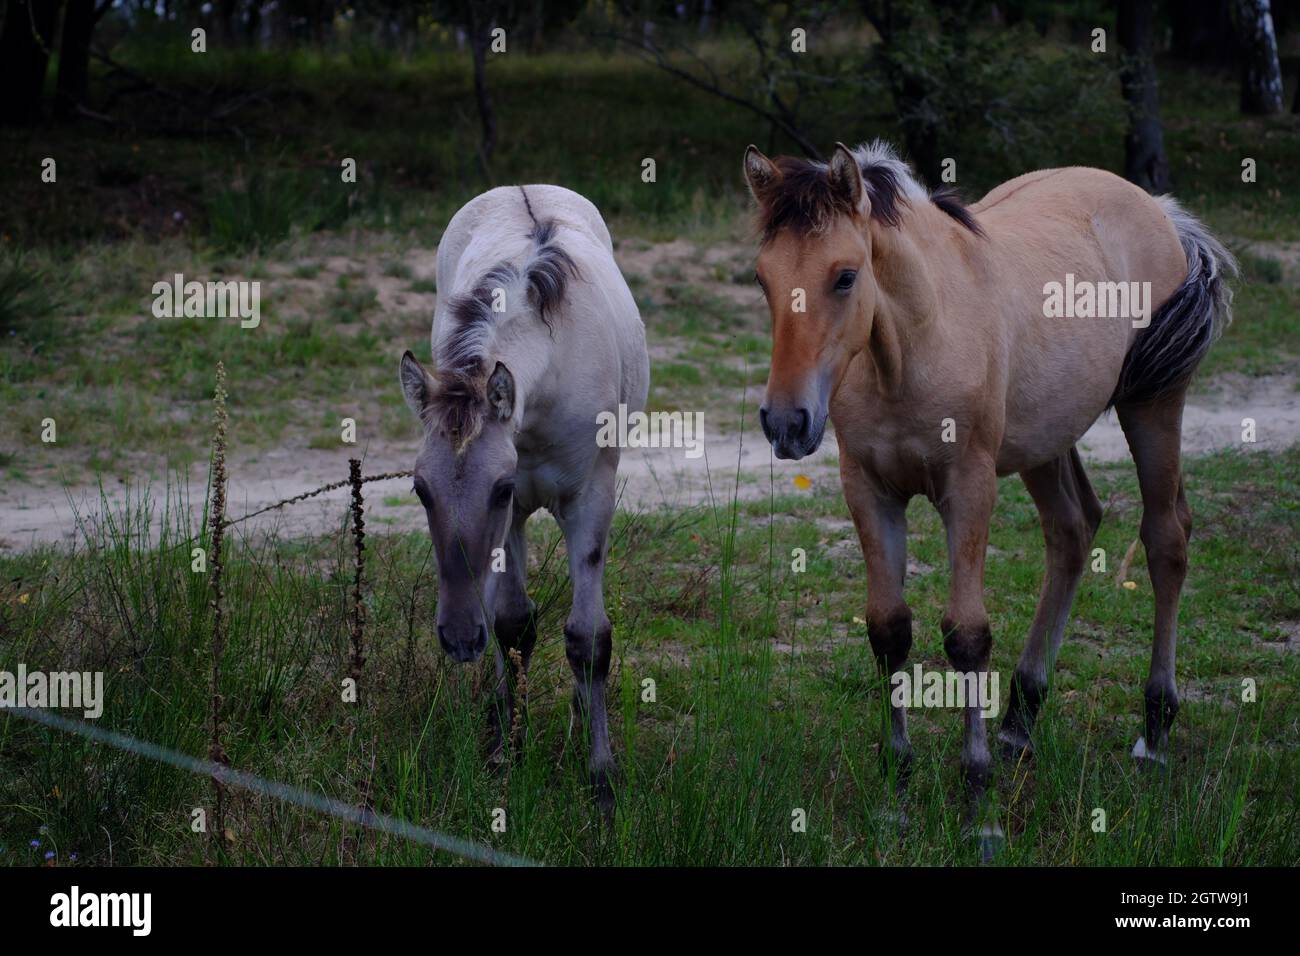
267 206
26 294
766 700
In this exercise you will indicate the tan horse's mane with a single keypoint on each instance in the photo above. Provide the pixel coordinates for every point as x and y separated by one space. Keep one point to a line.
804 199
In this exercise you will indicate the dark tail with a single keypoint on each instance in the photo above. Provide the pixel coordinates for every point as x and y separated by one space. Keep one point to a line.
1165 354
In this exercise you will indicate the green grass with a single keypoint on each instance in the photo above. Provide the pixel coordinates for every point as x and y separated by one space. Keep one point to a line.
28 301
74 319
766 697
741 733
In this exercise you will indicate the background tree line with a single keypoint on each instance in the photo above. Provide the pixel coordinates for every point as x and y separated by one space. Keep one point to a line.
937 67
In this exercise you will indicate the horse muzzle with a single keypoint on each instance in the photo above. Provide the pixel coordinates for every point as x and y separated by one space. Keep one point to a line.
464 640
792 431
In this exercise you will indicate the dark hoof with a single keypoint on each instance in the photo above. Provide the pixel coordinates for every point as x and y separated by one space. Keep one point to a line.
901 762
897 821
602 789
991 841
1015 747
977 777
1149 759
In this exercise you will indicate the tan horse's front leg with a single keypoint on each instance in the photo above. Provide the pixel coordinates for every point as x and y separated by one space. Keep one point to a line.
881 523
969 493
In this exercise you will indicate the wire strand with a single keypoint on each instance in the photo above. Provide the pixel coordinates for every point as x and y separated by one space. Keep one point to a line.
458 846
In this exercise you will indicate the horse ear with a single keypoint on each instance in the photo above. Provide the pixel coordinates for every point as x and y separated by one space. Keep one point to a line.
760 172
846 176
417 386
501 392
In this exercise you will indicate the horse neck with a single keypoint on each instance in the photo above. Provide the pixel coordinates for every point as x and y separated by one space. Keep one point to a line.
525 346
907 302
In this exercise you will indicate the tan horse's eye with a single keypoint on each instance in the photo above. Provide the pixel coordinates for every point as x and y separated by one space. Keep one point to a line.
845 281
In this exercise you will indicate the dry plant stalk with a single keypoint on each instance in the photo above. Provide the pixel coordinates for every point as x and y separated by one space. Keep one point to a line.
521 696
359 541
217 521
358 627
1122 574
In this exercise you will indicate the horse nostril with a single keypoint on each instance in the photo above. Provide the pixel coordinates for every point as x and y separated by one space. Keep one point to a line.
805 421
762 421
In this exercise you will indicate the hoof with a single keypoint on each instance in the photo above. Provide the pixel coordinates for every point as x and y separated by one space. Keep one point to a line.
991 841
1148 759
900 760
1015 747
602 789
897 821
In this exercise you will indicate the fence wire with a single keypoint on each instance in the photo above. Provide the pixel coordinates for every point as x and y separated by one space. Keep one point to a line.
457 846
359 816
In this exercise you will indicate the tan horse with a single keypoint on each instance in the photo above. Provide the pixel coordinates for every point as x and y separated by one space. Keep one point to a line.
951 346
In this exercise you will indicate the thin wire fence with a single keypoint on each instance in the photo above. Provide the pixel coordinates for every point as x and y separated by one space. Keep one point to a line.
228 776
225 776
332 486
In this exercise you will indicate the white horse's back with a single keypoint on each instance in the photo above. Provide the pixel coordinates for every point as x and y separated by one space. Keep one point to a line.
587 354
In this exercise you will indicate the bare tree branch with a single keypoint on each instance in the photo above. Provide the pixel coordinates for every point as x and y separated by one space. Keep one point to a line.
656 55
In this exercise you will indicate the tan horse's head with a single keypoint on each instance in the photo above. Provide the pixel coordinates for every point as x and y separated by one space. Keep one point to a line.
815 269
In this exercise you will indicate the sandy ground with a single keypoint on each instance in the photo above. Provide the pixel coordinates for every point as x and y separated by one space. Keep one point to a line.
651 478
47 513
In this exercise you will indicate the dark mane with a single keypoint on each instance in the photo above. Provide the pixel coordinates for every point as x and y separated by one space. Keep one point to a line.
548 271
471 317
463 361
803 199
950 202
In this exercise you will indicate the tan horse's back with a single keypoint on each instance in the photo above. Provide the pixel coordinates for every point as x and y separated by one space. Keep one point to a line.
1046 227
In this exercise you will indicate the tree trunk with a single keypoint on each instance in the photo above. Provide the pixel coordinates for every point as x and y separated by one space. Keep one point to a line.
24 56
74 57
1144 144
1203 32
920 131
911 88
1261 76
226 10
478 46
253 28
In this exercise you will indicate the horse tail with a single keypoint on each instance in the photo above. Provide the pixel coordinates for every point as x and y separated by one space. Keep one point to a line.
1166 353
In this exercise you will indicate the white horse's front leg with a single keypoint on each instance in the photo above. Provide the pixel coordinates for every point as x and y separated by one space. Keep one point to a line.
585 521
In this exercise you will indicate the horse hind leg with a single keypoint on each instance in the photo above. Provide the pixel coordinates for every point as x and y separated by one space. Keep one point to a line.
1070 514
1153 431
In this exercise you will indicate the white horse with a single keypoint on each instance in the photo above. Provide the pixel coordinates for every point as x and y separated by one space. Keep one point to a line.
536 334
